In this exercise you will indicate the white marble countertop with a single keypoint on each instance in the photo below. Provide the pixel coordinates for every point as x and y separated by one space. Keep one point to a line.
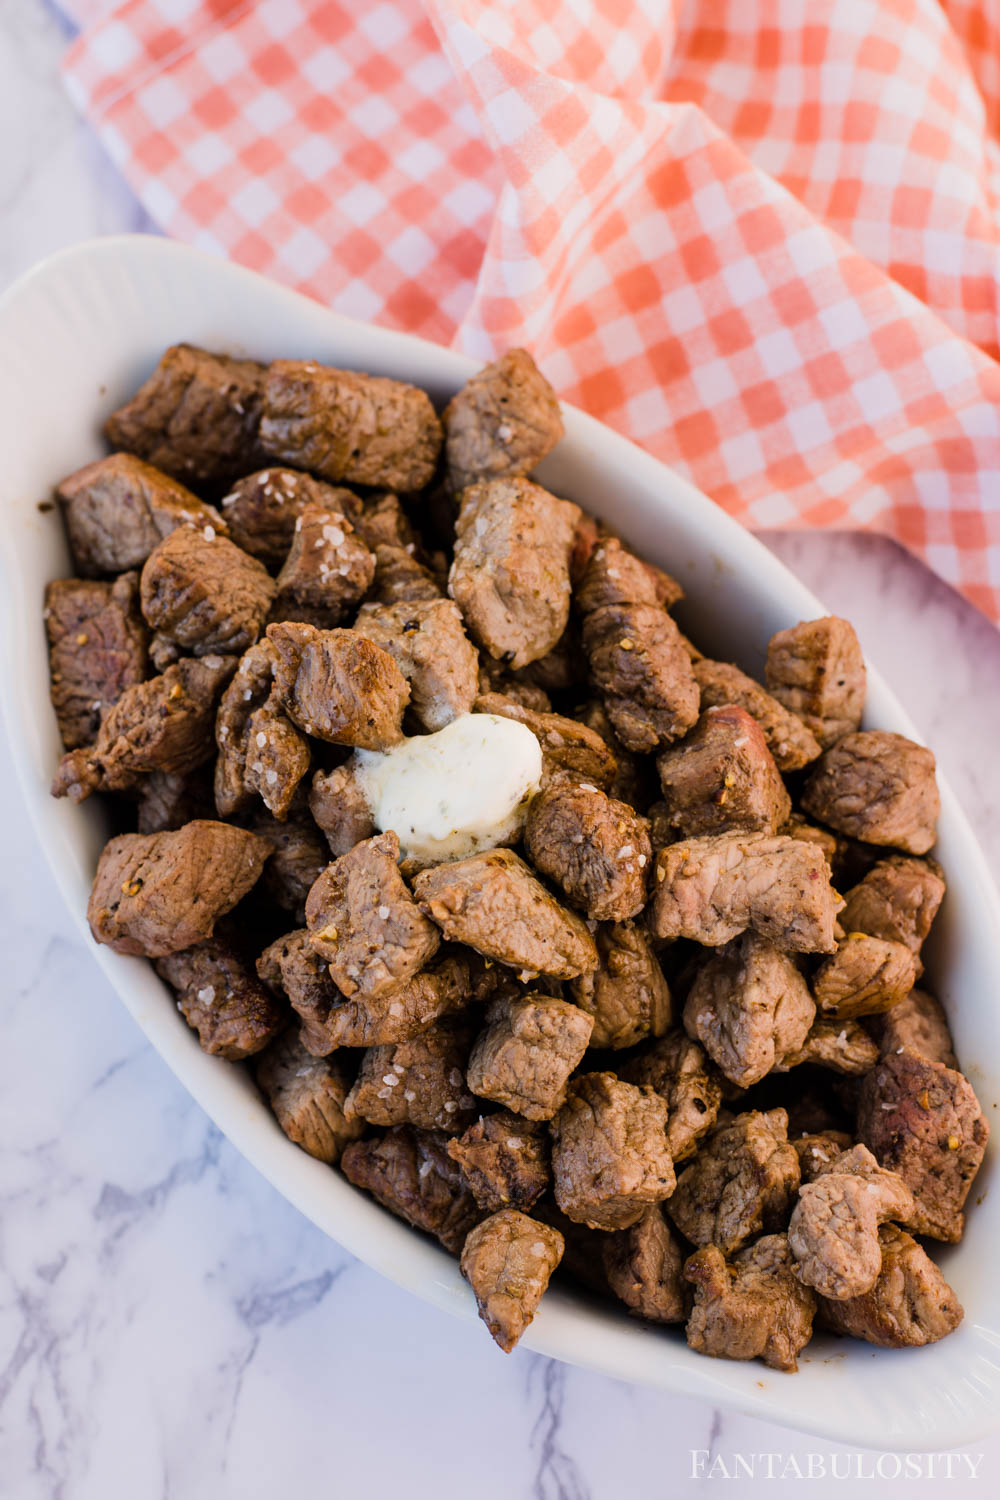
169 1326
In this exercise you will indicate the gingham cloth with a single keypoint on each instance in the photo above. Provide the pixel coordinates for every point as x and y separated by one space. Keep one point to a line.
758 236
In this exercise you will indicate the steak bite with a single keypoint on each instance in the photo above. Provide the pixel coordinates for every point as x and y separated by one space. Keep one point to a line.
504 1158
712 889
502 422
798 827
910 1304
878 787
292 967
196 416
298 858
510 575
571 752
260 751
634 779
364 922
203 594
307 1095
817 671
643 1267
157 893
864 977
222 999
678 1070
611 574
427 641
261 510
627 994
338 686
897 900
748 1007
833 1231
841 1046
118 509
923 1120
816 1151
525 1056
418 1082
339 805
595 848
754 1307
494 904
789 741
917 1024
722 778
411 1174
507 1260
741 1182
328 569
97 649
401 578
610 1159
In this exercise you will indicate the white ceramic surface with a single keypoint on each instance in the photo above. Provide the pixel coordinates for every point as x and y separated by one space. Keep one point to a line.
76 336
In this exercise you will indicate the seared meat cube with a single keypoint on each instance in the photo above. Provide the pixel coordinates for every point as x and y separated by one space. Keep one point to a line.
494 904
365 429
923 1120
798 827
364 922
411 1174
338 686
878 787
919 1025
204 594
789 741
340 807
196 416
97 648
525 1056
417 1082
635 779
261 510
627 994
595 848
864 977
260 751
842 1046
293 967
833 1231
427 641
610 1159
910 1304
712 889
166 800
741 1182
299 856
155 893
754 1307
507 1260
502 422
400 578
897 900
381 521
815 1152
222 999
748 1007
722 778
643 1266
510 576
328 569
307 1095
504 1158
570 751
678 1070
816 669
118 509
610 574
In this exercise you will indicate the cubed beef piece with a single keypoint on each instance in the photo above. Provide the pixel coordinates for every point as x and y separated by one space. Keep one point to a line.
381 521
411 1174
525 1056
504 1158
878 787
292 966
627 994
307 1095
493 903
595 848
502 422
749 1006
679 1071
910 1304
417 1082
570 751
897 900
507 1260
340 806
722 778
789 741
205 594
753 1307
156 893
298 858
166 800
923 1120
261 510
833 1231
817 671
919 1025
610 1159
510 576
338 686
740 1183
261 753
815 1152
328 569
427 641
222 999
798 827
196 416
714 888
401 578
635 780
97 648
611 574
864 977
643 1265
118 509
841 1046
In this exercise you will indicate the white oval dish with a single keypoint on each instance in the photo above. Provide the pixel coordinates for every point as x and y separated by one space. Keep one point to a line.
77 336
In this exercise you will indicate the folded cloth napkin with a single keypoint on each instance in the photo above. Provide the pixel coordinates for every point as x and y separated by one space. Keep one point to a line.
759 237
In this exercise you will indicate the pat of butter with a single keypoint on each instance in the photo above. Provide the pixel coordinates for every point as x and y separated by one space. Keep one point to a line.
453 793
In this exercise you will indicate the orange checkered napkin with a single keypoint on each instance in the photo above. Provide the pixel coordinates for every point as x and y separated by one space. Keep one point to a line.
758 236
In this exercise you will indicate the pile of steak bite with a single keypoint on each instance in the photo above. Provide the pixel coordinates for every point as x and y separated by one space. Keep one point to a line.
651 1045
